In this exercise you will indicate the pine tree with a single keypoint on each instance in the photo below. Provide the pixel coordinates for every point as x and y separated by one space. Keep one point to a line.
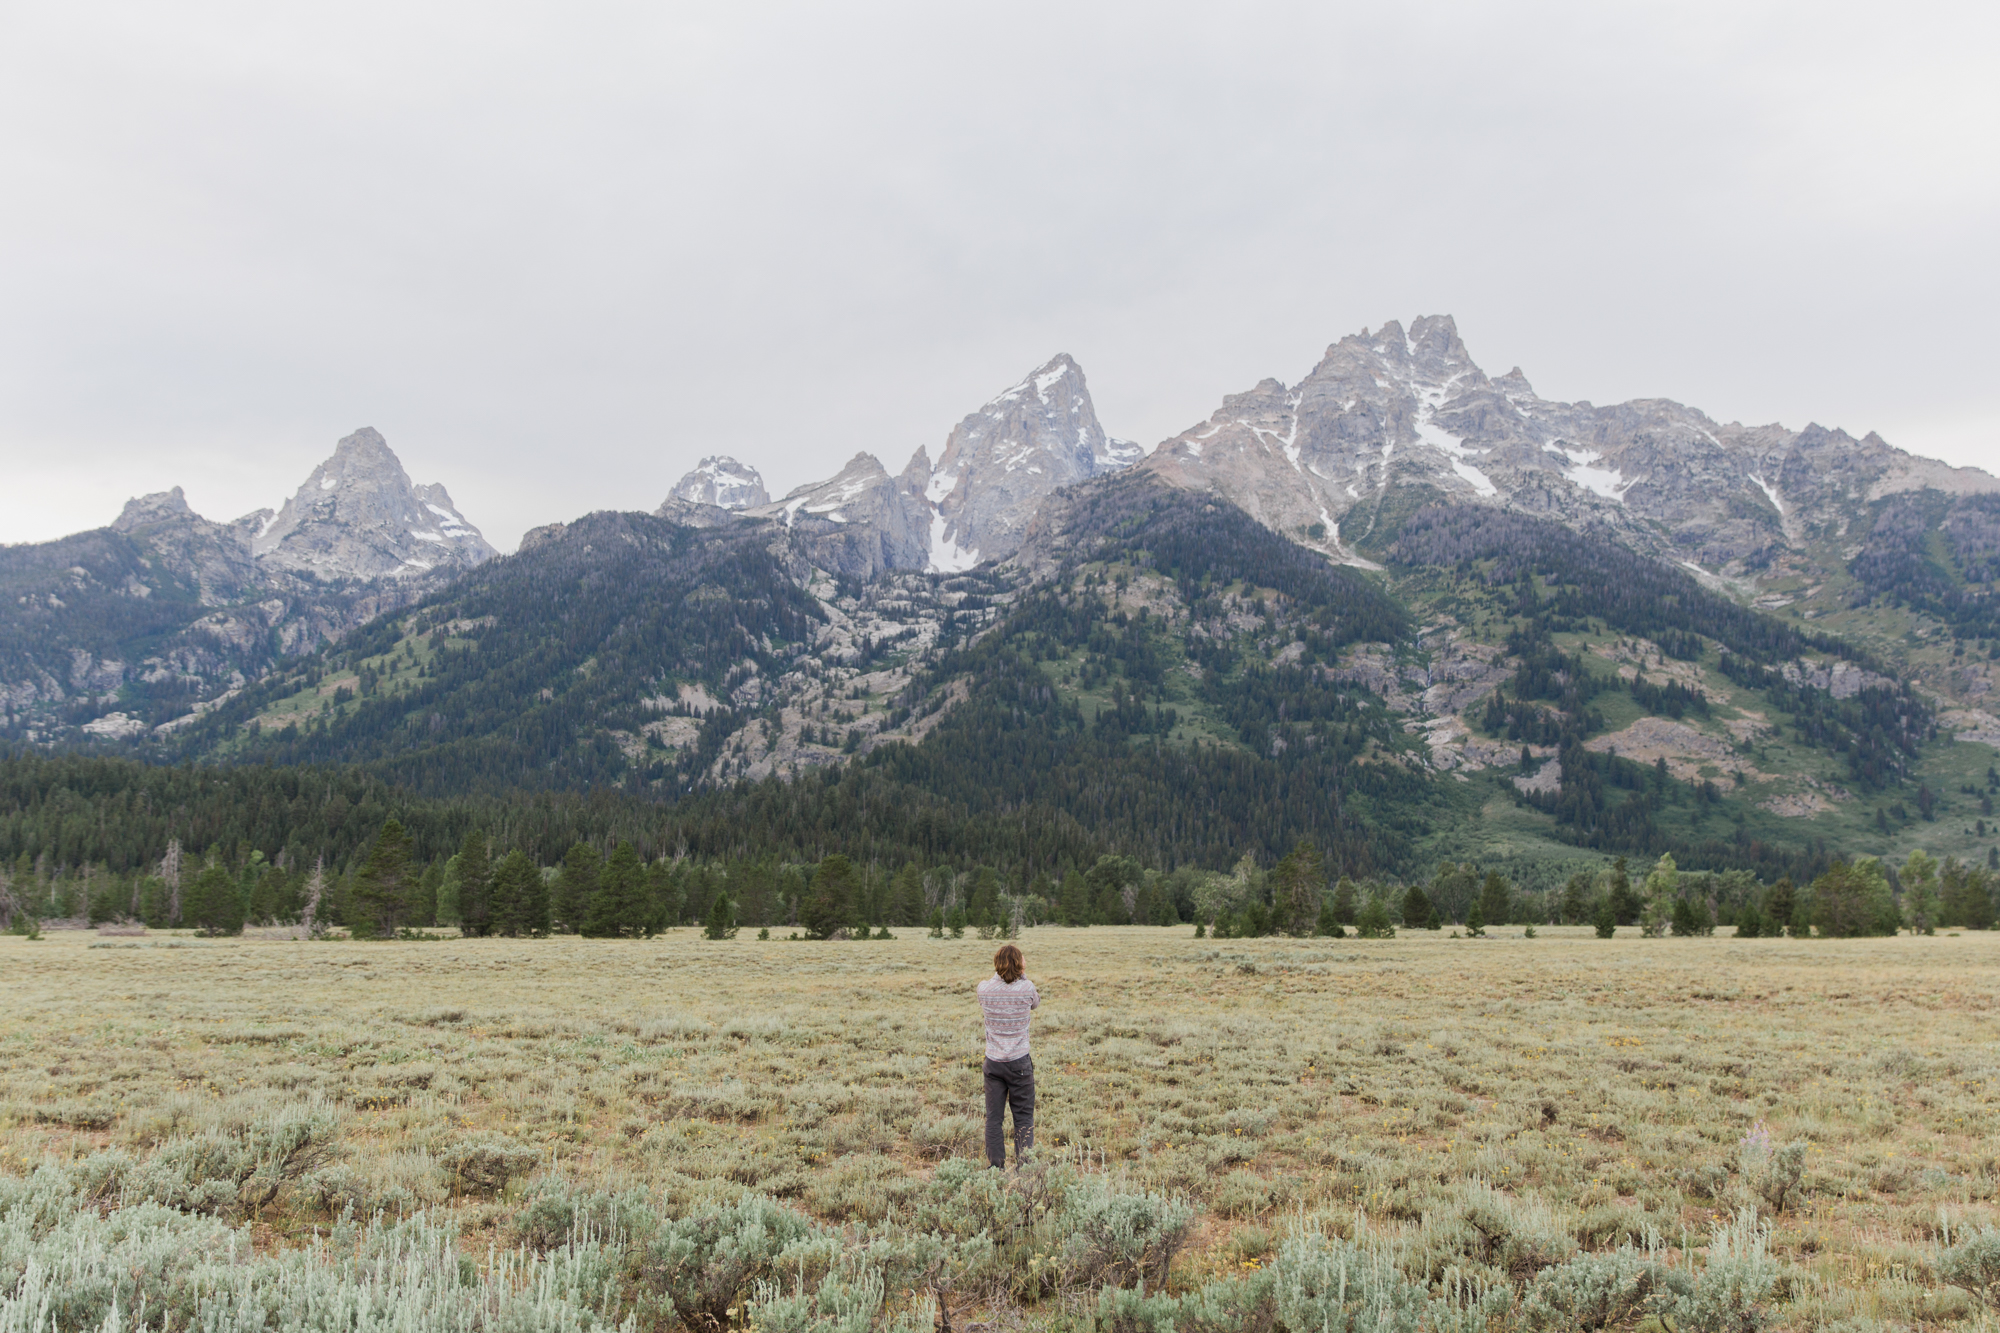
423 893
1576 900
1475 920
1749 921
957 922
1625 903
475 885
1329 922
536 913
1073 908
576 885
662 906
1297 884
382 888
984 898
906 896
1373 922
1417 910
937 923
617 902
1496 899
1346 901
830 902
214 904
720 923
508 890
1606 919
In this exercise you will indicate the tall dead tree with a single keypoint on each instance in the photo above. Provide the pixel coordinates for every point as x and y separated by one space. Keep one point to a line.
170 875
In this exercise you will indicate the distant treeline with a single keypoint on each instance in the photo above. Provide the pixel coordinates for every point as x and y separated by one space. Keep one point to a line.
389 888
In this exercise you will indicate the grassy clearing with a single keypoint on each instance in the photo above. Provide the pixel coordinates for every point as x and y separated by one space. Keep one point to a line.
1407 1092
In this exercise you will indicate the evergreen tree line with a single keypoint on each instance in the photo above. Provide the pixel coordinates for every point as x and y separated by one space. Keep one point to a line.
484 891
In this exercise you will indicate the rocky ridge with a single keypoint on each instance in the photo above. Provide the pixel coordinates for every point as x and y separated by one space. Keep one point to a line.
998 466
164 612
1394 409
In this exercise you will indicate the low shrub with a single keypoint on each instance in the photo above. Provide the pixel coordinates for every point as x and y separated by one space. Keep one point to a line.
1973 1265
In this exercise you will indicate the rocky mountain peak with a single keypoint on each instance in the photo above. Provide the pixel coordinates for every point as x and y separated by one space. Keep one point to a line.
724 482
146 510
359 517
1002 461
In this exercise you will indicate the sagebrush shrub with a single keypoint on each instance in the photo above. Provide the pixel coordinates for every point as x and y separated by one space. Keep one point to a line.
1774 1176
1120 1240
1324 1282
1729 1296
1973 1265
1221 1306
72 1267
1600 1291
706 1264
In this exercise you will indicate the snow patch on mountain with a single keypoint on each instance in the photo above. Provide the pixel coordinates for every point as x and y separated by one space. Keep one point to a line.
724 482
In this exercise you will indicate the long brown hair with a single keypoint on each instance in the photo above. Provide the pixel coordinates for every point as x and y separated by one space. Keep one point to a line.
1008 964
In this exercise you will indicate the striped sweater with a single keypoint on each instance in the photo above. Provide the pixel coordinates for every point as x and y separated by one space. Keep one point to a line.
1006 1005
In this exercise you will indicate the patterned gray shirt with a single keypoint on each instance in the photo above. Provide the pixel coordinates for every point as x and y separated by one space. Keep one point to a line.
1006 1005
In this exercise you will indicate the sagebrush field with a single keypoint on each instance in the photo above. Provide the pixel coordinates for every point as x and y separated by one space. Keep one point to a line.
1468 1113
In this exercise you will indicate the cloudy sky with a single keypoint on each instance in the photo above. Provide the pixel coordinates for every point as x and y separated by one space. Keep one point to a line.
556 253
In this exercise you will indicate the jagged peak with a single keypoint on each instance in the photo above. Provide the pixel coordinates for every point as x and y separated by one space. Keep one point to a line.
1039 382
724 482
154 508
358 516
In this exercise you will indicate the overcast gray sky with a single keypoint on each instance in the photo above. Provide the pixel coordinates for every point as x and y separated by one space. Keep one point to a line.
557 253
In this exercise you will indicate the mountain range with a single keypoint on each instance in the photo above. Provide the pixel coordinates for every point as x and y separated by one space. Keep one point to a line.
1423 592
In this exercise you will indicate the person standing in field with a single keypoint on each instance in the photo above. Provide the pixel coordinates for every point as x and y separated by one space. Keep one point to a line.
1006 998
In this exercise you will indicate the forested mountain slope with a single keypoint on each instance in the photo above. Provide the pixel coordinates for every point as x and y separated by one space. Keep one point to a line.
1160 675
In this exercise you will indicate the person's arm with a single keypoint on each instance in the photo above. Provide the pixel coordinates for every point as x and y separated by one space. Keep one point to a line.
1034 996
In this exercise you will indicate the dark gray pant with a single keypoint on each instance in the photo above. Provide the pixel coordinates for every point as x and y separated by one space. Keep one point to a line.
1010 1084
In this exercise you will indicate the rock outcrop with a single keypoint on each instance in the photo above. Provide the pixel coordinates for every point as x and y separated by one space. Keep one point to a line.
721 481
858 522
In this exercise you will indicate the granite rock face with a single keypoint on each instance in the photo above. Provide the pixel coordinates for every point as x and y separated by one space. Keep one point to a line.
859 522
359 517
721 481
1000 462
1397 408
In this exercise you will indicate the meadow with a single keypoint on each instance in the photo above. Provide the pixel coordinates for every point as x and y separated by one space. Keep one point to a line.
684 1132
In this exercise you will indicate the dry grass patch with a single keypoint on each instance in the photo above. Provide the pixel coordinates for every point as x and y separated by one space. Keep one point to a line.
1495 1105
